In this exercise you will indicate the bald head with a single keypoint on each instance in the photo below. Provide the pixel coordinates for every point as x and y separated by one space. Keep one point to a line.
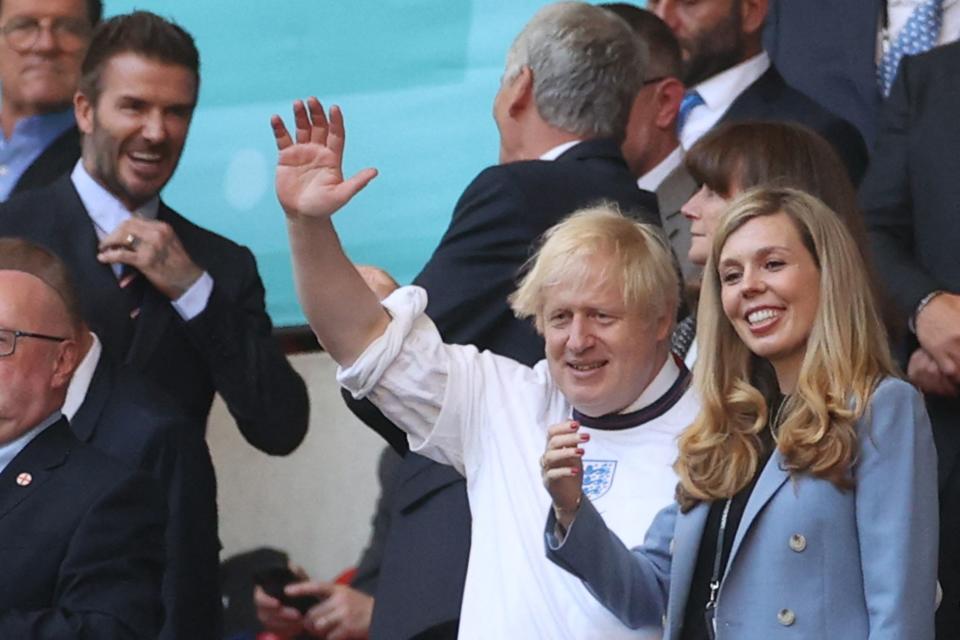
37 331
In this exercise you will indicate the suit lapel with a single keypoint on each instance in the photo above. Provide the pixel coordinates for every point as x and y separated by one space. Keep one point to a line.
104 304
45 453
753 102
87 417
672 194
686 546
771 479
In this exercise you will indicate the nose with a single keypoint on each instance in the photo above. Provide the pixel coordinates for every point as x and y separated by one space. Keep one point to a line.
752 283
691 208
154 128
46 39
580 337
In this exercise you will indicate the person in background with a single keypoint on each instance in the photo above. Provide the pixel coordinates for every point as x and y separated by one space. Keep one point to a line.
729 77
738 156
807 502
81 535
909 200
42 43
651 146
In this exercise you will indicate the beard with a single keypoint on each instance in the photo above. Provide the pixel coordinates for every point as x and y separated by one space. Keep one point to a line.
714 50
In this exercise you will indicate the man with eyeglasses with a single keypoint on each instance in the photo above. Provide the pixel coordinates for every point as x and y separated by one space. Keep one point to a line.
41 47
81 537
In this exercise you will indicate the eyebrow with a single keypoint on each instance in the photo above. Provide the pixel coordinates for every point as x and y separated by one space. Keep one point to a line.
762 252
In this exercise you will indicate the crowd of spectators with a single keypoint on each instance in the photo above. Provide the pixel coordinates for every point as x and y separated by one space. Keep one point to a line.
685 363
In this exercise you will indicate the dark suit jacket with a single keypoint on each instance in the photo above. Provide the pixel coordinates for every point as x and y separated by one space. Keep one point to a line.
81 545
56 160
227 348
131 421
468 278
827 49
770 98
911 202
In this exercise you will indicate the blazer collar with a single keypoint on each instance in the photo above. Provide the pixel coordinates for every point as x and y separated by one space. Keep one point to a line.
594 148
39 459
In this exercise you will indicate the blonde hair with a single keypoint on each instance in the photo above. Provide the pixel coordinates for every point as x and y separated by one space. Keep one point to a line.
638 253
846 356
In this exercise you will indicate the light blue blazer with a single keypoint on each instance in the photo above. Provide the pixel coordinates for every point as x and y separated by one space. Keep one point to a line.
808 560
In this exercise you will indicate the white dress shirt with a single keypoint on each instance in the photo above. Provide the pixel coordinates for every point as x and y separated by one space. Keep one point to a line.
718 93
559 150
10 450
81 379
107 213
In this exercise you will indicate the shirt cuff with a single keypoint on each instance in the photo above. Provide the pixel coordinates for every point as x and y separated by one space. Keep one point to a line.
194 300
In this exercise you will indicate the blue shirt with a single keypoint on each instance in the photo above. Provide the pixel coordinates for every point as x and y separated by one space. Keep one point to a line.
10 450
31 136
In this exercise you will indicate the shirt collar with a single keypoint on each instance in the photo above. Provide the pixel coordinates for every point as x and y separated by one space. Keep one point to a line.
10 450
652 179
559 150
82 377
719 91
45 127
105 210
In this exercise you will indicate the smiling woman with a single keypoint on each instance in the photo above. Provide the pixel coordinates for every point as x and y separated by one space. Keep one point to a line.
808 477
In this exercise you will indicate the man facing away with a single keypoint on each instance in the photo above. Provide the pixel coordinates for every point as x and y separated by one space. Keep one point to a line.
42 43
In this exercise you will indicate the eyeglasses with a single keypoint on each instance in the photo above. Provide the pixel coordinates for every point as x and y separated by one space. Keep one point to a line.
8 340
70 34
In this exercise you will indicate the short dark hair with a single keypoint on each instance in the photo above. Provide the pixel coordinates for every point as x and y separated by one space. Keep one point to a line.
94 11
17 254
665 58
142 33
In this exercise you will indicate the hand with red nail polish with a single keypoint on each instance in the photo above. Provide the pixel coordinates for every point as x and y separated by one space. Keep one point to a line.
561 468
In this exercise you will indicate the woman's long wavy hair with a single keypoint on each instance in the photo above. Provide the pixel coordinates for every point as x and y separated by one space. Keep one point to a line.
846 356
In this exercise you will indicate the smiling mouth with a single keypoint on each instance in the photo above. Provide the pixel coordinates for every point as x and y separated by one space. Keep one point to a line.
591 366
762 315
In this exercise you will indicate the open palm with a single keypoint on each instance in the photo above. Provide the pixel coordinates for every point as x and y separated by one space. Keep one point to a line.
309 178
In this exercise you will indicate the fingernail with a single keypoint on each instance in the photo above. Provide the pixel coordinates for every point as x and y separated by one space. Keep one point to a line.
574 425
584 437
579 452
574 471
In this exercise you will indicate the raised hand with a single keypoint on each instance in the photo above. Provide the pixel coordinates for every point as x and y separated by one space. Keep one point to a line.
310 180
561 468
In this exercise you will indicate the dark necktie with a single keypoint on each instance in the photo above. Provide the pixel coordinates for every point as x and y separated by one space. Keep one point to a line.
133 285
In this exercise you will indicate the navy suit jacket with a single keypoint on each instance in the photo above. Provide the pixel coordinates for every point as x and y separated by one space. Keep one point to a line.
56 160
827 49
134 423
228 348
492 233
771 98
81 544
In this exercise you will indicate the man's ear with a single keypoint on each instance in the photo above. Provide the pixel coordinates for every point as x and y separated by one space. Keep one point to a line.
519 92
753 13
664 326
83 112
669 96
68 357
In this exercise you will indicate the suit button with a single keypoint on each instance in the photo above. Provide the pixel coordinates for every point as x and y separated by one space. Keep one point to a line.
797 542
786 617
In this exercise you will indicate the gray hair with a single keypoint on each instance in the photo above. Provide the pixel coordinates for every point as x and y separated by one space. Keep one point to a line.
587 64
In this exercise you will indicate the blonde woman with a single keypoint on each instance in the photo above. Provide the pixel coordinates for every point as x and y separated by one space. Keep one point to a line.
807 502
